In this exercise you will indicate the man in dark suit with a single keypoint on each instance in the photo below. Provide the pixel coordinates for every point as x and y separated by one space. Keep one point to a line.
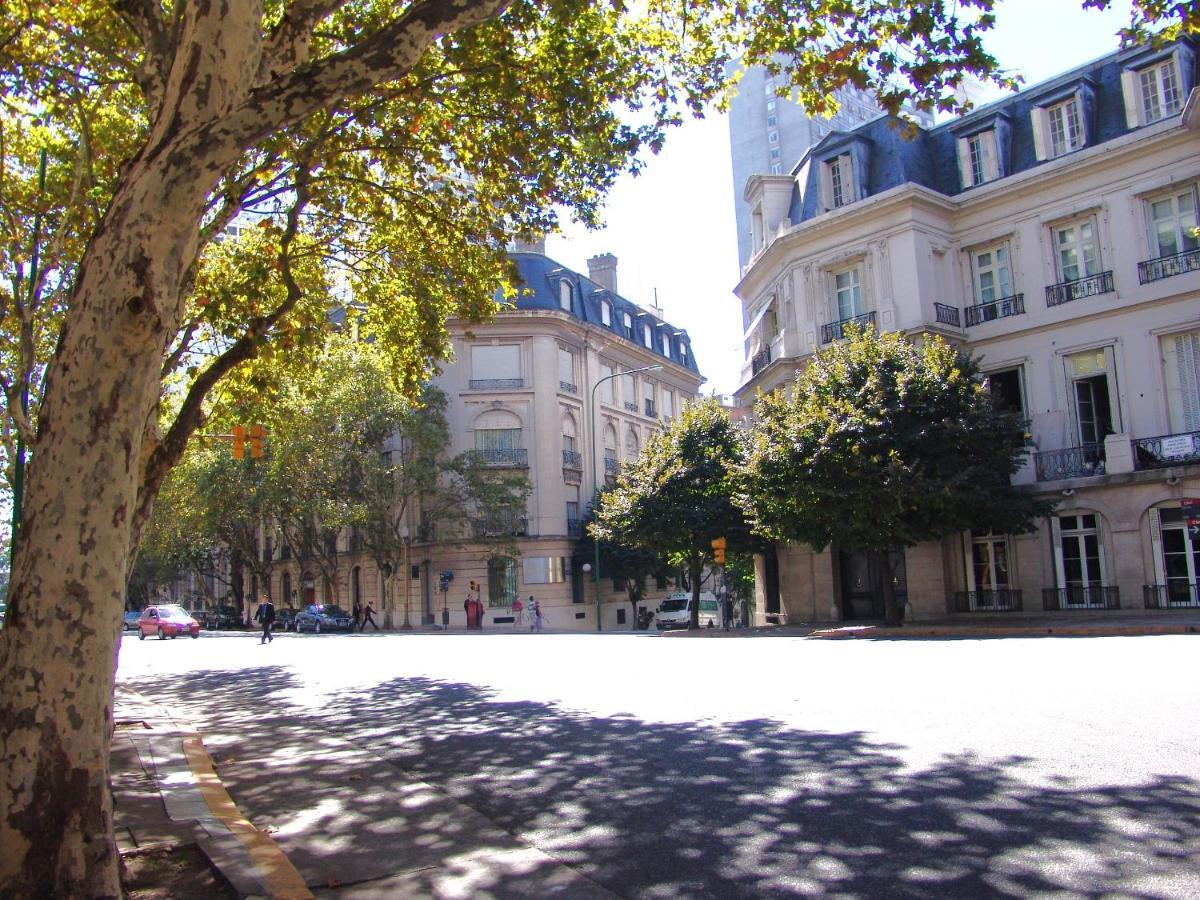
266 615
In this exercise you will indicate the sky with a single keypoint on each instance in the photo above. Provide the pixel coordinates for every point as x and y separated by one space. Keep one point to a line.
672 228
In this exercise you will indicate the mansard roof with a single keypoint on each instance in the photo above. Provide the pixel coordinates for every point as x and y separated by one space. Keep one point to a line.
883 158
542 278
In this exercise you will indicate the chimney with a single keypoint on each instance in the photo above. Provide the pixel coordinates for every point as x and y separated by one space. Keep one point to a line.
602 269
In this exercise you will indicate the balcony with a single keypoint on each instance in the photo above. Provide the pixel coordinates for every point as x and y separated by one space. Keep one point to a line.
496 384
1081 596
572 459
1070 462
1065 292
1168 266
650 409
947 315
835 331
513 458
631 406
567 387
500 524
1013 305
760 361
999 600
1167 450
1175 595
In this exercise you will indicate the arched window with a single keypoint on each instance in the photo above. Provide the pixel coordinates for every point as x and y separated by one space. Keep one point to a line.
502 580
606 312
631 444
498 437
568 437
564 295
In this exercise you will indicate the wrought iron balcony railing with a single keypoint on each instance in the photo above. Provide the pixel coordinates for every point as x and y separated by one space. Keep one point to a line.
611 466
835 331
572 459
1173 595
568 387
1081 596
999 600
496 384
1167 450
1091 286
1070 462
760 360
574 528
515 458
947 315
1013 305
1169 266
499 525
631 406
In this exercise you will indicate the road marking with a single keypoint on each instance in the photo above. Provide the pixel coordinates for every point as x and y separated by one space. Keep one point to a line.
279 876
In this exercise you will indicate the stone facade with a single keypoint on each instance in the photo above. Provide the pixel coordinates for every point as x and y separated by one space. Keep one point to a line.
1051 234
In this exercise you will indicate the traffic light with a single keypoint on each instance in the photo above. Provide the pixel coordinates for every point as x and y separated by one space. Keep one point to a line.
239 441
257 433
718 547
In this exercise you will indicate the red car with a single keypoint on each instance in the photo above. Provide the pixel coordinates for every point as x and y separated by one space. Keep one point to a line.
167 621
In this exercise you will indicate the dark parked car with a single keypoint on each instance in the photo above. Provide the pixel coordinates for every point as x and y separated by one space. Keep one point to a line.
318 618
167 621
131 619
285 618
222 617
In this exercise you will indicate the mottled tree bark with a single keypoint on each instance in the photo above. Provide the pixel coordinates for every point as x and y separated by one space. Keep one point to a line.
215 85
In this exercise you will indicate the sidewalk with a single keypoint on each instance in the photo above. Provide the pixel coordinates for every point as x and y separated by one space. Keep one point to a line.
354 826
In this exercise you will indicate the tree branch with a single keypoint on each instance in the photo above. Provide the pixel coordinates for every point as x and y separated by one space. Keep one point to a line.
287 46
145 18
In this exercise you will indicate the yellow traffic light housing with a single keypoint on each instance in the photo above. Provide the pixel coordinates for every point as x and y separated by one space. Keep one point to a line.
239 441
257 434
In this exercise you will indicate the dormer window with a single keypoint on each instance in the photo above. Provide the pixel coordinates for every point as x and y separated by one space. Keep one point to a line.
628 320
647 334
838 187
977 158
606 312
683 351
564 295
1066 127
1155 86
666 345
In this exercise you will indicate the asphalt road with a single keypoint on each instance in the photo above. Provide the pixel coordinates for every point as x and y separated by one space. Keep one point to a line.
744 766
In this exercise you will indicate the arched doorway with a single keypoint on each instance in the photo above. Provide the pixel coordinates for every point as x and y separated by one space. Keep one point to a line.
308 588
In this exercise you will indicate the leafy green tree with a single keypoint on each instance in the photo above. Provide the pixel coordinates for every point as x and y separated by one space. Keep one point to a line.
678 495
632 566
883 444
388 150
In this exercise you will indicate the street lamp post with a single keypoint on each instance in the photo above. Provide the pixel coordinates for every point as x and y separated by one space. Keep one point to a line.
407 626
596 473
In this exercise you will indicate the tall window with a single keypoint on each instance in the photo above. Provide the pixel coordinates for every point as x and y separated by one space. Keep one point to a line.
683 353
495 363
572 513
502 581
847 287
1077 252
837 183
666 344
629 388
564 295
1079 558
1160 91
1181 361
606 384
1066 127
977 158
606 312
628 320
566 369
631 445
989 569
1088 374
991 273
1176 557
1007 390
647 334
1172 221
668 404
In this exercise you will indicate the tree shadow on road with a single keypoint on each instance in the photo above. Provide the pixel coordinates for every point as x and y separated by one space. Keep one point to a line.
745 809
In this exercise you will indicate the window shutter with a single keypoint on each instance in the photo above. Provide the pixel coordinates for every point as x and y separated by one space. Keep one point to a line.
1040 120
1160 574
969 560
826 188
1060 572
1130 89
850 189
964 163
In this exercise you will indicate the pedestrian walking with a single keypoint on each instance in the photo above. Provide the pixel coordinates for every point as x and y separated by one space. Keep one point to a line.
369 617
266 615
518 609
357 612
537 616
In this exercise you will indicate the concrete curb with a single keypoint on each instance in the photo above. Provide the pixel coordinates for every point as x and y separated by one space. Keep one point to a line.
965 631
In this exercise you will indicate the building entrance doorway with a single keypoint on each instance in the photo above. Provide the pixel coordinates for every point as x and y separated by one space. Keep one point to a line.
862 584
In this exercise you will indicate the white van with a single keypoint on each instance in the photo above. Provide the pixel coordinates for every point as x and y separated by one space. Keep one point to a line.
675 611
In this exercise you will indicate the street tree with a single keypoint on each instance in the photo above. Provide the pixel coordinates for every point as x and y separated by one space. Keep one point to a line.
632 566
677 496
400 145
882 444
